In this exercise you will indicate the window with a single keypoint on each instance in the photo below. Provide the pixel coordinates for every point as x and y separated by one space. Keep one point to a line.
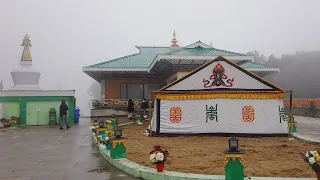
123 91
137 91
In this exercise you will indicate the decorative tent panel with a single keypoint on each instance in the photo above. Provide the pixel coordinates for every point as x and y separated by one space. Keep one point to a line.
220 74
237 116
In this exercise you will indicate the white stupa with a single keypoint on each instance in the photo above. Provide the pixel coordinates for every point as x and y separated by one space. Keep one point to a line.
25 78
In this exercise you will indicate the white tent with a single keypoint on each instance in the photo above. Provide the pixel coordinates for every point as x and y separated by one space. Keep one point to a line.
220 98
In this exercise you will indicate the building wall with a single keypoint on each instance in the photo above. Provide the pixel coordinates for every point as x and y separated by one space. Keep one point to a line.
38 112
176 76
182 74
112 90
11 109
44 103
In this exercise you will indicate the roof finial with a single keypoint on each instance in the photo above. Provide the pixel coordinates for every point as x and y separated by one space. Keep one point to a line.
174 41
211 43
26 55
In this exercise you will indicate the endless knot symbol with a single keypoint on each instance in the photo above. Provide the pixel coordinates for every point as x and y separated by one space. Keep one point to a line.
282 114
248 114
212 113
175 114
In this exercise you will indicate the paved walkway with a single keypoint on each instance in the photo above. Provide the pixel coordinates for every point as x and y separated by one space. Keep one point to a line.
308 128
46 153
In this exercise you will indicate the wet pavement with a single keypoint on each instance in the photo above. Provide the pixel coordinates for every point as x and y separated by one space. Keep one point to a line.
46 153
308 127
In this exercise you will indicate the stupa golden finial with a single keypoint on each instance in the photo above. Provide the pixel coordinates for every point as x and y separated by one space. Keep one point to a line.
26 55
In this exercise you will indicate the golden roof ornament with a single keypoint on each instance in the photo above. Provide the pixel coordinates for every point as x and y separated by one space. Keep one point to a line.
174 41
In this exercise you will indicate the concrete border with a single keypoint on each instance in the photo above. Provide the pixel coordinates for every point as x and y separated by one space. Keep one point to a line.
125 124
139 171
305 138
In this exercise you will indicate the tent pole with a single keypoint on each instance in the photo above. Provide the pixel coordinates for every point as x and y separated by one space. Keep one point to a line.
158 117
290 113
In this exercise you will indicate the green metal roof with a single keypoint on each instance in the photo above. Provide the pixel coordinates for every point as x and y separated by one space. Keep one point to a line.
203 52
143 59
254 65
146 56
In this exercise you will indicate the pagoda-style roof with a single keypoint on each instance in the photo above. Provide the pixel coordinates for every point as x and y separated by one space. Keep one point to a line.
157 60
145 58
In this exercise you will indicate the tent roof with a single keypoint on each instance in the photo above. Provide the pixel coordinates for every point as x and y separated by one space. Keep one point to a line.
273 88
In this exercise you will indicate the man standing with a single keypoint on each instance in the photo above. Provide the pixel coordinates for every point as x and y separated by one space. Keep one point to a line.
64 114
144 107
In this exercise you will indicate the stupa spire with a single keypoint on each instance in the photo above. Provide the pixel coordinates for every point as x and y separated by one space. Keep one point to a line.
26 55
174 41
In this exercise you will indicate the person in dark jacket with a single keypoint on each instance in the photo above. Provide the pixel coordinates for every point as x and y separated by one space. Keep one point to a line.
144 107
64 114
130 108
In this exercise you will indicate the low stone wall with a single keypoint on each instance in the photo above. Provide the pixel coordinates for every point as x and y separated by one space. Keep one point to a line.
302 111
103 112
107 112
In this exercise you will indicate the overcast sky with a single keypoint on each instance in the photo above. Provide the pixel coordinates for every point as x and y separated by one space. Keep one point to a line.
69 34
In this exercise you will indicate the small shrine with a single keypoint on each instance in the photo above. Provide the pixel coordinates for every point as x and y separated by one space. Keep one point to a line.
25 103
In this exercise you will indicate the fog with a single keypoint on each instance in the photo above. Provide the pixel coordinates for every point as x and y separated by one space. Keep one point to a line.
67 35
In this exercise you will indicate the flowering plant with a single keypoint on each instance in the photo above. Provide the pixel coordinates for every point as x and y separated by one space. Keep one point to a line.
313 159
158 156
106 140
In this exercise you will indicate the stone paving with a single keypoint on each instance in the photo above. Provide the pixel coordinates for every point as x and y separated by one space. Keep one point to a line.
308 128
46 153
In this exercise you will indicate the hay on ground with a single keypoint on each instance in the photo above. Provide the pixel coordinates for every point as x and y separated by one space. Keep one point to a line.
264 157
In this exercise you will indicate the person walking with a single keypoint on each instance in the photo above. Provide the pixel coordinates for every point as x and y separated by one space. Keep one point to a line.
130 108
64 114
144 107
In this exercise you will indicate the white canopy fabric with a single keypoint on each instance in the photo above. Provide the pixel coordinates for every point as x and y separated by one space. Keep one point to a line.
236 116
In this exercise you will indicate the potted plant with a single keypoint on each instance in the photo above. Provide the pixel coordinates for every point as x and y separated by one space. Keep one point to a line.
313 159
158 157
5 122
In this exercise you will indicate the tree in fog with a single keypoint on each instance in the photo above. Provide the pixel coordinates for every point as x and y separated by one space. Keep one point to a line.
258 58
94 91
299 72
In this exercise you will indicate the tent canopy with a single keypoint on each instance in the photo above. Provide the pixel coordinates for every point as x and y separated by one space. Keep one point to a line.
220 97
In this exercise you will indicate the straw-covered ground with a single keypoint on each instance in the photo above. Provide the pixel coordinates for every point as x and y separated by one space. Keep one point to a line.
267 156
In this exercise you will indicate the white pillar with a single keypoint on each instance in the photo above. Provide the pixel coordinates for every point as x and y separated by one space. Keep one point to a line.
103 88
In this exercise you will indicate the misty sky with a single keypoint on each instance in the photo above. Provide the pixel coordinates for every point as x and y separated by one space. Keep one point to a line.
69 34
